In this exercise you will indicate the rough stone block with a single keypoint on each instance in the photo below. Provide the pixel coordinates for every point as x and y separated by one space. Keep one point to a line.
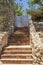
3 40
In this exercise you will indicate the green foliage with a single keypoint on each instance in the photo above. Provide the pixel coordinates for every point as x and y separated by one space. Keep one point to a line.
18 9
32 2
36 13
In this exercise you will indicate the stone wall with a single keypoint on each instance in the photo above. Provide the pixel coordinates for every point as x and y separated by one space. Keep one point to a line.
8 22
38 25
8 25
3 40
37 45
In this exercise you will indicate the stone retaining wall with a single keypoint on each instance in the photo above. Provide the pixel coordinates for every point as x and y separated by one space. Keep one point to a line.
37 45
3 40
8 22
7 26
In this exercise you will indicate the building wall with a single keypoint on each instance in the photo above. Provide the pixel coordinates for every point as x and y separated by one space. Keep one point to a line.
22 21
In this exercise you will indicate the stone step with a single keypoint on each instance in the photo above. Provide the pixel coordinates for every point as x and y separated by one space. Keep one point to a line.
11 52
20 43
17 64
20 37
20 46
17 61
18 50
17 56
25 49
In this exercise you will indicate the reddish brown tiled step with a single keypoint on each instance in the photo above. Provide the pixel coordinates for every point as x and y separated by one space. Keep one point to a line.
24 47
18 50
17 56
22 43
14 52
17 61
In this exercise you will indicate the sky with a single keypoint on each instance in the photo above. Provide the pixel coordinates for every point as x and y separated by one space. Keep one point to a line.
25 5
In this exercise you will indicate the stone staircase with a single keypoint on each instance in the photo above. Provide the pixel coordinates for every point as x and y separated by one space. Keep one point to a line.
19 51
